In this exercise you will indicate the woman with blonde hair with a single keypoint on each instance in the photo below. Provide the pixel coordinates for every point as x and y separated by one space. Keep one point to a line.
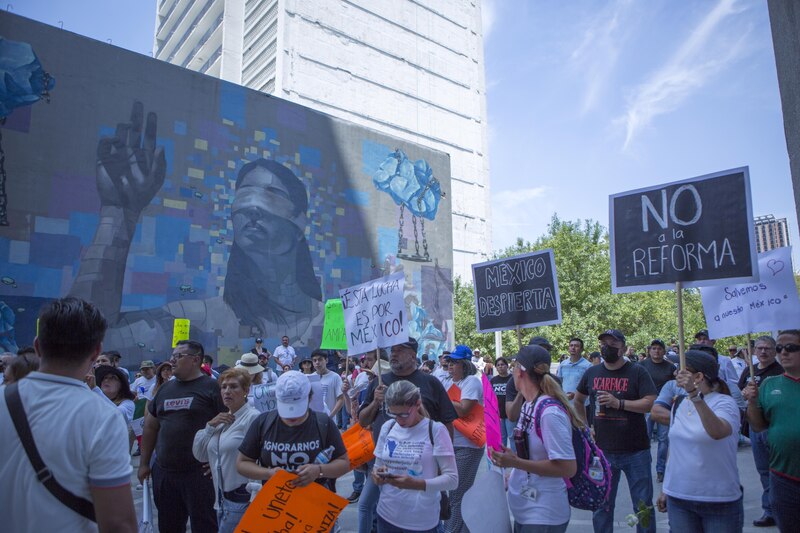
414 462
218 445
537 493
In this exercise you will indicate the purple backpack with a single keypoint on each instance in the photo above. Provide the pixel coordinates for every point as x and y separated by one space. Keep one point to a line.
590 487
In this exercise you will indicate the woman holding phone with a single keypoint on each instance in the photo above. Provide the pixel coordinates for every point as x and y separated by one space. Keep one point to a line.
414 463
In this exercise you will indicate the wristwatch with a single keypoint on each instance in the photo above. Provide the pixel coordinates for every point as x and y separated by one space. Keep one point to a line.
697 397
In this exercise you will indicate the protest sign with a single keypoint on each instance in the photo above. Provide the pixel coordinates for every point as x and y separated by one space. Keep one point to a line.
491 417
516 291
375 314
180 330
280 506
264 397
471 426
359 444
770 304
698 232
333 331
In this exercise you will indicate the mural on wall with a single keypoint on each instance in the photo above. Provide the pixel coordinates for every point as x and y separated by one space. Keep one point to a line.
167 194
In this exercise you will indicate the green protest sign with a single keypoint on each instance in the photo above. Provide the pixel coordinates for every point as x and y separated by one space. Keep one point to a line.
333 336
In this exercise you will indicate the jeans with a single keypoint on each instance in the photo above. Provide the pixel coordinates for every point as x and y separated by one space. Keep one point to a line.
758 441
784 494
662 435
359 477
539 528
507 432
230 514
184 495
637 469
699 517
367 504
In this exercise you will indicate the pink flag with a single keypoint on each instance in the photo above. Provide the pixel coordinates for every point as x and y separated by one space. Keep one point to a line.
491 417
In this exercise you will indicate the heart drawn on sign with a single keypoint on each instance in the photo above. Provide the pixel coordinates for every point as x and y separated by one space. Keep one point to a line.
775 265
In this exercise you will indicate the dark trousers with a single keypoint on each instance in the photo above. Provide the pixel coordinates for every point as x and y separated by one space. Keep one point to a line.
181 496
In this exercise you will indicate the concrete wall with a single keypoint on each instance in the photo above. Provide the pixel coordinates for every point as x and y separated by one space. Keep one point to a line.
784 17
147 189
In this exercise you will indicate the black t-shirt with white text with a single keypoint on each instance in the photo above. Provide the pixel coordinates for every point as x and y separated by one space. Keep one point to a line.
773 369
275 445
619 431
182 409
434 398
659 372
499 384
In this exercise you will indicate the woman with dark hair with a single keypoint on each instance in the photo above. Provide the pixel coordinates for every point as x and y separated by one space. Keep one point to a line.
114 384
163 374
468 453
499 384
703 439
537 493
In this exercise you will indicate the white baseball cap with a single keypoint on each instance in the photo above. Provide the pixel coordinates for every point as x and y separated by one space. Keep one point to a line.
291 392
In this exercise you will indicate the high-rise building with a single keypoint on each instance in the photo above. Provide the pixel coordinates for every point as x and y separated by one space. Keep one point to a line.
411 68
771 233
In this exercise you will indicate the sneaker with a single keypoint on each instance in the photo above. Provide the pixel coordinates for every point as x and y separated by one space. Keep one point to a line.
139 486
660 477
353 498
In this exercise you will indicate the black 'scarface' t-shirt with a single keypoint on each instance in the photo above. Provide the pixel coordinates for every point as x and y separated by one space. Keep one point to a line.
275 445
499 384
660 373
434 398
619 431
183 408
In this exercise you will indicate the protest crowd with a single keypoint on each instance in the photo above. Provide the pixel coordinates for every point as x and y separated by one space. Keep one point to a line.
559 435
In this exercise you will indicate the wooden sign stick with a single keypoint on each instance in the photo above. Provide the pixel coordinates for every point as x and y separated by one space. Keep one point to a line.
681 343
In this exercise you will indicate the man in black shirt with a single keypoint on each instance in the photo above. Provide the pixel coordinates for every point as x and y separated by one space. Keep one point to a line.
499 384
767 366
403 362
180 409
622 392
660 371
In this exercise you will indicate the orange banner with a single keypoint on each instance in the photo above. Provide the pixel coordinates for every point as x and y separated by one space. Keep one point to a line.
281 507
472 426
359 444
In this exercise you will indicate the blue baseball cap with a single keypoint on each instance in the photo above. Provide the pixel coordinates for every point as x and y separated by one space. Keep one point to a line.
462 351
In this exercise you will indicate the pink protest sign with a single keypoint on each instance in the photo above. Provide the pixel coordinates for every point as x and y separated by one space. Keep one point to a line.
491 417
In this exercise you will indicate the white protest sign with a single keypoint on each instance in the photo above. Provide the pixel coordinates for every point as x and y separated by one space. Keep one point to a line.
375 314
770 304
263 397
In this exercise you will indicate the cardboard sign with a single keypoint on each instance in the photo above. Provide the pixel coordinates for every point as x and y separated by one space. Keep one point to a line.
180 331
375 314
359 444
697 231
264 397
770 304
279 506
473 425
516 291
333 331
491 417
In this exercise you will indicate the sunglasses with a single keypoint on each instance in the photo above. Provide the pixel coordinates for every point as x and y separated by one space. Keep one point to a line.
791 348
402 416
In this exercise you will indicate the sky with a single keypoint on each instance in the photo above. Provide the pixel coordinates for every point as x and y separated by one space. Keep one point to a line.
587 98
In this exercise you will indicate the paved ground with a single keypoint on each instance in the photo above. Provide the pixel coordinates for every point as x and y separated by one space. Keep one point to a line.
581 521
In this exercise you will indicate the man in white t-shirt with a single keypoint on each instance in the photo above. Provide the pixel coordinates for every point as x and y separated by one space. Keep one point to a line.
82 440
284 354
330 381
143 385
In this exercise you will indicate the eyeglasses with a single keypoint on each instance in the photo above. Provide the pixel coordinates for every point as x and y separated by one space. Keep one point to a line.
402 416
788 347
177 356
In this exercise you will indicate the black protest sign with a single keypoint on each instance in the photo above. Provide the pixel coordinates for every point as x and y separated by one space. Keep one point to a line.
516 291
697 231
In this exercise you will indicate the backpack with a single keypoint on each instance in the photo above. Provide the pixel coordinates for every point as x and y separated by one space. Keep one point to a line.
583 491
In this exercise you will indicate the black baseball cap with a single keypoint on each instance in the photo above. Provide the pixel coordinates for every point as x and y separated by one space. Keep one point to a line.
259 340
532 355
410 343
613 333
540 341
701 333
658 342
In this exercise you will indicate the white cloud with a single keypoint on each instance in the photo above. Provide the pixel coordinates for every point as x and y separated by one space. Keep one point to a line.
706 52
597 54
488 17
